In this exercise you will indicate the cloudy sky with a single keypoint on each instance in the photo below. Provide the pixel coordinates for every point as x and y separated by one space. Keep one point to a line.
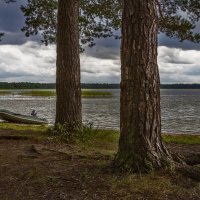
26 59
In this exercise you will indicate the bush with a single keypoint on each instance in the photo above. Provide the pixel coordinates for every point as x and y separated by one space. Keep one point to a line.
72 133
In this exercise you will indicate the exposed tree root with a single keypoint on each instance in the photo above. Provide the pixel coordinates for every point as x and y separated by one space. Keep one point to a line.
184 165
189 172
187 158
192 159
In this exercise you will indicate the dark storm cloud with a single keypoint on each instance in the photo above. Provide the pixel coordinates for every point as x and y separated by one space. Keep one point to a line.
11 17
11 22
175 43
163 40
18 38
105 49
110 48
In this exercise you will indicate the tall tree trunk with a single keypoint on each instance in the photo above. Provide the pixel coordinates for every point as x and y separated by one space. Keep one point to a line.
140 146
68 105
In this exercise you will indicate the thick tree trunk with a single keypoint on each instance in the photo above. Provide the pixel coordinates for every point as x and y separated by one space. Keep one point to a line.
140 146
68 105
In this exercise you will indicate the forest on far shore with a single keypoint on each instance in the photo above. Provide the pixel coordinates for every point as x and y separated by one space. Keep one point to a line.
27 85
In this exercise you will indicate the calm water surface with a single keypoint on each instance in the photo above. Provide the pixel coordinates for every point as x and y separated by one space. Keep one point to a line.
180 109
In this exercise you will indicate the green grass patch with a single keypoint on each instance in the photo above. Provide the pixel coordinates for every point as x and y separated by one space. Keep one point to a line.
101 138
182 139
96 94
38 93
105 141
20 127
47 93
36 132
2 93
86 134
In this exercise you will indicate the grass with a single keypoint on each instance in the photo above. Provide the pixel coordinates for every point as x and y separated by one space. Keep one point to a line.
88 163
182 139
37 93
20 127
39 132
96 94
101 137
5 93
46 93
155 186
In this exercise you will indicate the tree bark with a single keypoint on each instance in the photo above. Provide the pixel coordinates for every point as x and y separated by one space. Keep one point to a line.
140 146
68 105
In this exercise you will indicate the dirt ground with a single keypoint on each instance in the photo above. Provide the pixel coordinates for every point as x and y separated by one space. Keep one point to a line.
41 170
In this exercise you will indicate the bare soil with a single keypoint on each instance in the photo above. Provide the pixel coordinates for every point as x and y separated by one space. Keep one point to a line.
31 169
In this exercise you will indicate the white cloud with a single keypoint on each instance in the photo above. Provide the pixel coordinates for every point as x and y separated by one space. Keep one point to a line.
179 66
27 62
36 63
99 70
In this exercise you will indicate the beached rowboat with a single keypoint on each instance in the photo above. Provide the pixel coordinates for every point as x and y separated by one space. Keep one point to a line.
21 119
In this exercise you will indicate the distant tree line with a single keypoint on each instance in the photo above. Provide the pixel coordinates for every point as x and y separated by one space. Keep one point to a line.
27 85
180 86
99 86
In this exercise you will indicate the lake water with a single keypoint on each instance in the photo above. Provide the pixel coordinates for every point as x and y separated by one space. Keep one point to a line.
180 109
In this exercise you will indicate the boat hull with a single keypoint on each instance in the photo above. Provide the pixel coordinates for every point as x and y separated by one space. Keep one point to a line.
20 119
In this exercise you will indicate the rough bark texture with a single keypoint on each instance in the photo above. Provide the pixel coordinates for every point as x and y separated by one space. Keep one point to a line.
140 145
68 105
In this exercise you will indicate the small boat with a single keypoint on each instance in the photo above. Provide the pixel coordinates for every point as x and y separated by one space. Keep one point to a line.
21 119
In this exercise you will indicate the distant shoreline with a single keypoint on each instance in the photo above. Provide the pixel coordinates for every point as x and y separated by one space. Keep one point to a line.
26 85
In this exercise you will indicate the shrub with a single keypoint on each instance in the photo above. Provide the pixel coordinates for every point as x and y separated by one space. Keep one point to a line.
68 134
